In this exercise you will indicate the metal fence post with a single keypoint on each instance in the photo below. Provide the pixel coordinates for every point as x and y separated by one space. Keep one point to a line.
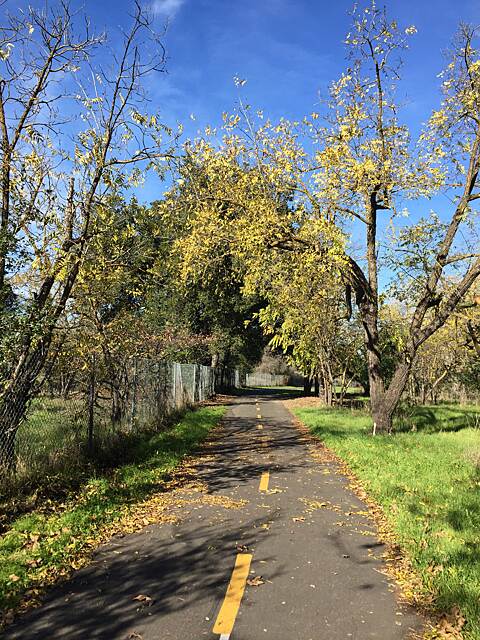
194 385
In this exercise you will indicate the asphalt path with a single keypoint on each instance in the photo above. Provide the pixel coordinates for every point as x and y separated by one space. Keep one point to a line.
270 543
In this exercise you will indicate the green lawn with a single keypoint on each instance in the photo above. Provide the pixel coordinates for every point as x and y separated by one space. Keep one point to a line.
427 479
42 544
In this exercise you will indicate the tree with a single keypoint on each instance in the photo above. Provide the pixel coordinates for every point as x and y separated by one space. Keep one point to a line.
207 299
437 361
306 320
453 134
53 88
289 200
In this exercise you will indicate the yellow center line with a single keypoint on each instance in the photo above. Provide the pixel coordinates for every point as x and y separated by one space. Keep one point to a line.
231 604
260 426
264 481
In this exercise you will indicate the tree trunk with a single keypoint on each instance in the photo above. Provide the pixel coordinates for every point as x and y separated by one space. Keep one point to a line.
344 387
384 406
327 393
66 385
375 379
382 419
423 393
21 388
317 386
307 386
117 405
91 407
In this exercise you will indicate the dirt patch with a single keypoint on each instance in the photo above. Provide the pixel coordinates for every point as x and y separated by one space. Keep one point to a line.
305 402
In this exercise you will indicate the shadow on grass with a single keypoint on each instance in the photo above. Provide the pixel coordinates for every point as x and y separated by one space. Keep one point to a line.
436 418
457 584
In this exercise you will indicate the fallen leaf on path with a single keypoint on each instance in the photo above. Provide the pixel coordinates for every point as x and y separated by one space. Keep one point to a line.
9 617
142 598
299 519
255 582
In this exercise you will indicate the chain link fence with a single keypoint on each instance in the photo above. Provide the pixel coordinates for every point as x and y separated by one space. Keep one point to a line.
79 413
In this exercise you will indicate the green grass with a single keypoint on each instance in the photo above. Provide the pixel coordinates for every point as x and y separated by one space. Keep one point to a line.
43 543
428 482
54 426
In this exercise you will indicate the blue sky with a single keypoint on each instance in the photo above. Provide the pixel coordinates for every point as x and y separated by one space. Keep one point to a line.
287 50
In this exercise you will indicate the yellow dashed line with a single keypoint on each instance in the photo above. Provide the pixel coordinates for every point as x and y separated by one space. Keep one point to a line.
231 604
264 481
260 426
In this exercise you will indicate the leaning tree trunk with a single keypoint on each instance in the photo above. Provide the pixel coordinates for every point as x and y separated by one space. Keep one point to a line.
16 397
384 410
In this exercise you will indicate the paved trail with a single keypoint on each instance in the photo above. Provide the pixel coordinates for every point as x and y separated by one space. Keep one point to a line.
301 529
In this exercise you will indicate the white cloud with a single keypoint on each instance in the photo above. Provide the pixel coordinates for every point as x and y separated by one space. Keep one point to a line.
167 7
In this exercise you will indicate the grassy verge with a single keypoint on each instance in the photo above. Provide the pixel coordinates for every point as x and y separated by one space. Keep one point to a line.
39 547
427 479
